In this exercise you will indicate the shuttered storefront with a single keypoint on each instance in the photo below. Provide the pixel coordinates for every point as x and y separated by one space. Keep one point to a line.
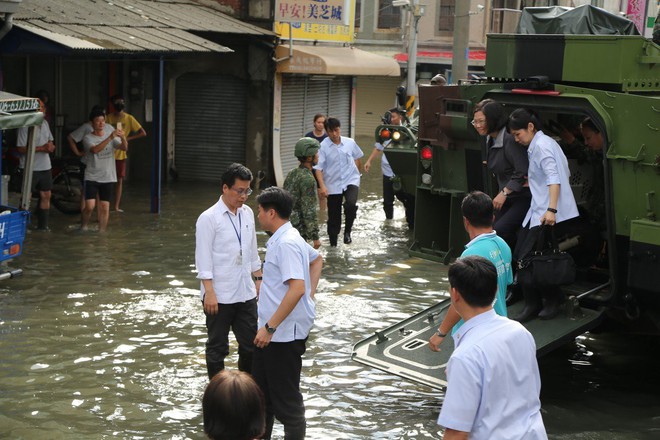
375 95
210 125
302 98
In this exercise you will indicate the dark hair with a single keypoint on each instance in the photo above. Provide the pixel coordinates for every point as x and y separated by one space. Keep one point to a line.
397 110
475 278
114 98
96 112
479 106
235 171
521 117
477 208
98 108
331 123
42 94
494 113
589 123
278 199
439 79
318 115
233 407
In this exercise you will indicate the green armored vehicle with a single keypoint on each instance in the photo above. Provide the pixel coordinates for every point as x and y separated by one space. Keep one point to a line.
613 80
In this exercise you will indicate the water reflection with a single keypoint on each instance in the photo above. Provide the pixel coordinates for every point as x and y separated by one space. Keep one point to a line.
104 336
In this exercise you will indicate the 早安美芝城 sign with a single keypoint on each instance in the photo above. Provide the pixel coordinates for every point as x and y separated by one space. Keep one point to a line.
320 20
337 12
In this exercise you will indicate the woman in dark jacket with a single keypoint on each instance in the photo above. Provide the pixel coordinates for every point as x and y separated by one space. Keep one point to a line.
508 163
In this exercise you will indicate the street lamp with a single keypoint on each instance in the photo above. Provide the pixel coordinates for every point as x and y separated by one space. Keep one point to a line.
415 12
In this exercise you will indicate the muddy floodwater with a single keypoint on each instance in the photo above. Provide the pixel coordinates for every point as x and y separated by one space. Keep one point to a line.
103 336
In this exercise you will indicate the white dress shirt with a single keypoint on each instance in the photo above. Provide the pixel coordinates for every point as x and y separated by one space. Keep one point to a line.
548 165
287 258
385 166
493 381
338 164
220 255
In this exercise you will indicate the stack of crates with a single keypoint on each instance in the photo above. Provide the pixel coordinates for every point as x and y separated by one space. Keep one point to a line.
13 224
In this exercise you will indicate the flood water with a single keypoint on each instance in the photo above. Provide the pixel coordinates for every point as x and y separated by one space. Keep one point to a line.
103 336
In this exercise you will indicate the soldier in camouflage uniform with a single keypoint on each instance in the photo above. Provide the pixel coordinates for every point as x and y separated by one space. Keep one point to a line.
301 184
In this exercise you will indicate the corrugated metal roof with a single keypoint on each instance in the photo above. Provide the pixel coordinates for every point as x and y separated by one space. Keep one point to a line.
130 25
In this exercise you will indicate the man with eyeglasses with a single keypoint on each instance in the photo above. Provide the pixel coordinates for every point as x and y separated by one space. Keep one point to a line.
229 268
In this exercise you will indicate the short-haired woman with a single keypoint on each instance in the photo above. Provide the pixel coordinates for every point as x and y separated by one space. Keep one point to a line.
508 163
552 204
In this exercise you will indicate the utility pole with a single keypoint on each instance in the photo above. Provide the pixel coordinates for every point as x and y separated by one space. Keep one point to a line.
459 63
414 11
412 58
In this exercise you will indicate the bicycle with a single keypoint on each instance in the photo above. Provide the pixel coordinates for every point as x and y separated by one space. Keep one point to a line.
67 186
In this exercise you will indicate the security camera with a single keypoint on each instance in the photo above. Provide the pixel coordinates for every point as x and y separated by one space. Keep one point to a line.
480 8
400 3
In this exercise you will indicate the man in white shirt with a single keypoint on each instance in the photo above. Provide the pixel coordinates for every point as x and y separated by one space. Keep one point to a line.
493 381
408 200
292 269
226 258
42 180
338 173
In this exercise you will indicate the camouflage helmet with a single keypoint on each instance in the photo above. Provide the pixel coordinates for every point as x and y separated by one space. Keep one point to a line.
306 147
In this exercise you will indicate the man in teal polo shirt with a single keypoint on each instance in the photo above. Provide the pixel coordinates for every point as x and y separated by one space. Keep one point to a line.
477 209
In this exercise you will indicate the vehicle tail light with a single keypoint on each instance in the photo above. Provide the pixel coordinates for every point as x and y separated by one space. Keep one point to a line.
396 136
426 153
385 133
14 249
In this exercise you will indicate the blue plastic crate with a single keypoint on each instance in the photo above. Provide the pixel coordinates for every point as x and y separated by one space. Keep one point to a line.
12 232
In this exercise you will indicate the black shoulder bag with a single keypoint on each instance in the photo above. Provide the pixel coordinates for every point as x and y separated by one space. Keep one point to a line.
548 267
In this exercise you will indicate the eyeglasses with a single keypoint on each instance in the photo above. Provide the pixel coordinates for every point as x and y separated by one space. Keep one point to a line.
242 192
478 123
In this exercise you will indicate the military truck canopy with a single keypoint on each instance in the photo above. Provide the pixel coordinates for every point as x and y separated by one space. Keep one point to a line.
583 20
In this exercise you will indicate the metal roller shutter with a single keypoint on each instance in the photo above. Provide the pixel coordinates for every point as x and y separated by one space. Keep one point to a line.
210 125
318 97
302 98
340 102
293 119
375 95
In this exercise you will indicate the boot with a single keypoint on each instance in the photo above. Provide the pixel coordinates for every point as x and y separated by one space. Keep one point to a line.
532 306
348 225
333 240
553 300
295 432
347 238
42 219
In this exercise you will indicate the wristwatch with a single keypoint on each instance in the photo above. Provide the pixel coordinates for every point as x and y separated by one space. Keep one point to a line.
552 210
270 329
258 278
440 335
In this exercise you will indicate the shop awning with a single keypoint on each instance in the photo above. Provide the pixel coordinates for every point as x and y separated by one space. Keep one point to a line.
124 26
326 60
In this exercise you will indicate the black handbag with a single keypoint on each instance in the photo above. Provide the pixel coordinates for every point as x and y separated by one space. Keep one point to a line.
547 267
